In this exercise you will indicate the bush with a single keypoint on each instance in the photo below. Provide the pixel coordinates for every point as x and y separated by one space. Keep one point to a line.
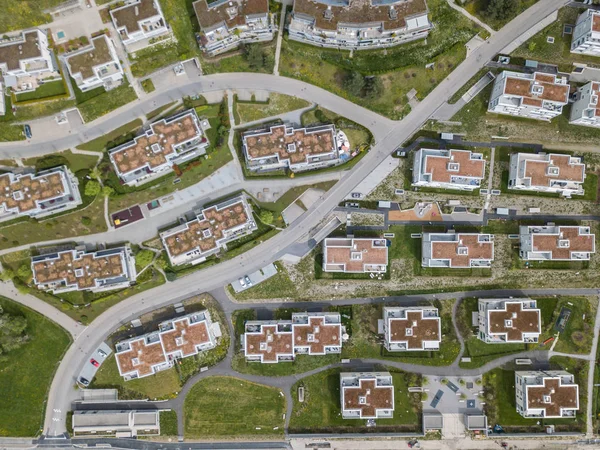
171 276
50 161
502 9
86 221
92 188
266 217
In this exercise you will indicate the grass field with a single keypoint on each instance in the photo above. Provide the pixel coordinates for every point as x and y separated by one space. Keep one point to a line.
24 13
100 144
478 9
46 90
106 102
321 409
233 408
278 286
26 373
75 161
168 423
278 104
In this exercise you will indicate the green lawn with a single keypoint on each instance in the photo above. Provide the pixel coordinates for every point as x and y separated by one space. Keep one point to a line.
151 59
74 161
161 385
277 104
106 102
237 62
478 8
27 373
158 111
24 14
100 144
148 85
46 90
278 286
233 408
400 68
578 334
168 423
321 410
9 133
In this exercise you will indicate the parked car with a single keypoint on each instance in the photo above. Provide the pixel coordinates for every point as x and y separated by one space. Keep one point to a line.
27 129
84 381
248 281
242 282
102 353
94 362
356 195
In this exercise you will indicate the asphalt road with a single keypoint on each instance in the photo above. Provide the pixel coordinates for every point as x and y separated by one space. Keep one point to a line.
388 136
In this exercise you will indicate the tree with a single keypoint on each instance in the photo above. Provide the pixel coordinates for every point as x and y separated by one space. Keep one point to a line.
502 9
24 272
266 217
12 331
7 274
255 56
373 87
354 83
92 188
144 258
107 191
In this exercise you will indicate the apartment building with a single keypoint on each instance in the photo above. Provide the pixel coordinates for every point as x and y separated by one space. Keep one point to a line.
412 328
586 34
123 423
209 232
225 24
139 20
355 255
551 394
448 169
367 395
306 334
358 24
547 172
79 270
585 110
296 149
457 250
95 65
38 195
556 243
159 350
166 142
539 96
509 321
26 56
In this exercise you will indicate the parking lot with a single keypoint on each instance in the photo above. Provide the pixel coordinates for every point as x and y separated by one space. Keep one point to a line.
255 277
88 372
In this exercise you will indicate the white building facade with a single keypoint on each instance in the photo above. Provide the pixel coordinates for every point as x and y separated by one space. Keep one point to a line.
448 169
551 394
586 34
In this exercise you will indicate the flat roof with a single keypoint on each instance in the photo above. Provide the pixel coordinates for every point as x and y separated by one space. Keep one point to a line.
457 163
289 143
360 12
152 148
185 337
462 250
317 334
414 329
79 269
555 167
527 88
23 192
130 16
141 357
514 321
231 12
13 52
562 242
552 396
367 397
84 62
269 343
355 254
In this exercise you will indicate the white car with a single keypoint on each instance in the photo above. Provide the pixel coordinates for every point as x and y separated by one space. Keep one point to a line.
242 282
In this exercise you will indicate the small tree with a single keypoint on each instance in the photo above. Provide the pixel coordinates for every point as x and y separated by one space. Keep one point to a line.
373 87
266 217
107 191
24 272
255 56
354 83
92 188
502 9
12 331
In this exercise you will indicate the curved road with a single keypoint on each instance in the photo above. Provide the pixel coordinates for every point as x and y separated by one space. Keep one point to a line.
388 136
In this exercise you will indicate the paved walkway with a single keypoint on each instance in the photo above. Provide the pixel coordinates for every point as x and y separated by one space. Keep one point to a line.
591 381
470 16
284 4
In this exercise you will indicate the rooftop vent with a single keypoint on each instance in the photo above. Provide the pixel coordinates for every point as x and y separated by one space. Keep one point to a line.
537 89
563 243
453 167
328 13
547 399
393 13
462 251
508 323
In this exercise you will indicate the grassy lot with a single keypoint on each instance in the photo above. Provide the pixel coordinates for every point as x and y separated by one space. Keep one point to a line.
578 334
233 408
236 62
539 49
24 14
364 341
400 68
46 90
106 102
278 286
151 59
168 423
500 399
9 133
27 373
148 85
161 385
74 161
478 124
103 142
478 8
158 111
321 410
277 104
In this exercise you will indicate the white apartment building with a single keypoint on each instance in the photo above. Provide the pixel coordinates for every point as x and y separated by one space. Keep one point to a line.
296 149
38 195
139 20
95 65
509 321
166 142
547 172
26 55
551 394
358 24
556 243
448 169
355 255
274 341
209 233
586 34
539 96
412 328
367 395
457 250
175 339
225 24
585 110
78 270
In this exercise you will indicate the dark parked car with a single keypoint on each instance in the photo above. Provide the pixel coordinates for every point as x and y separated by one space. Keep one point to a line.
27 129
84 381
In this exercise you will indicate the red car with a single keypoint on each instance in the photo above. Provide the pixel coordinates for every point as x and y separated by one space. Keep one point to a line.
94 362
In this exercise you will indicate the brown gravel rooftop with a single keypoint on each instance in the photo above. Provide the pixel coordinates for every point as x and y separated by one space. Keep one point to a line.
552 91
437 166
276 343
342 255
12 53
85 62
549 243
192 335
449 250
29 189
233 16
423 329
147 355
538 170
560 397
127 17
523 321
324 335
376 398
